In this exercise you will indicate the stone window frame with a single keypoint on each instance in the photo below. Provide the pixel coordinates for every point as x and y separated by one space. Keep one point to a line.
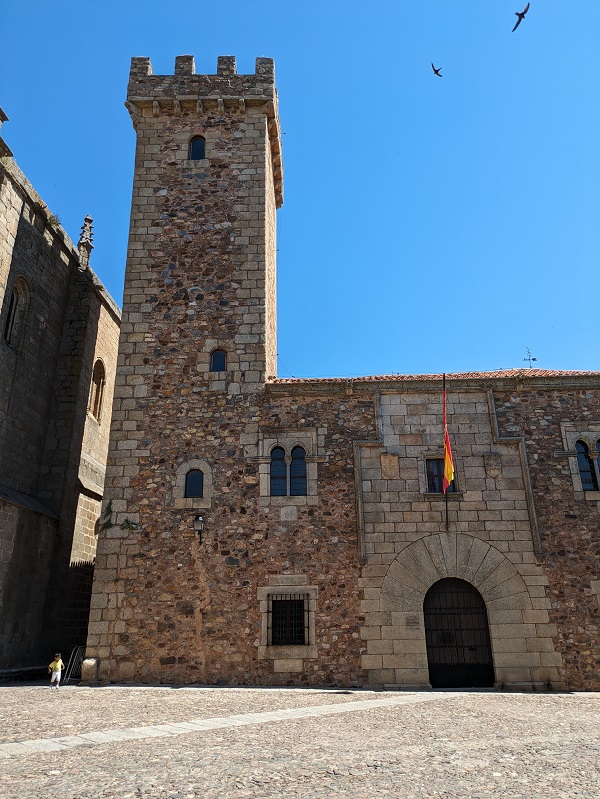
437 453
287 658
96 396
192 503
196 137
268 439
589 433
218 381
17 302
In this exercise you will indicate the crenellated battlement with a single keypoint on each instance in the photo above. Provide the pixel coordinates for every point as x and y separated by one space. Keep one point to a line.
226 80
185 93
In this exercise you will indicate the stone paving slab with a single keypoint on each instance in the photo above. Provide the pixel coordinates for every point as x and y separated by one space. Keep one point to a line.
429 746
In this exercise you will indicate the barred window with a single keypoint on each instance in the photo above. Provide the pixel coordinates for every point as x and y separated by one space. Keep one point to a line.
197 149
435 476
288 622
278 472
194 483
298 473
587 472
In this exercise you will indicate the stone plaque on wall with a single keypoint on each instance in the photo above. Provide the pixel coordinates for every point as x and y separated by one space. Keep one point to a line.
493 465
390 467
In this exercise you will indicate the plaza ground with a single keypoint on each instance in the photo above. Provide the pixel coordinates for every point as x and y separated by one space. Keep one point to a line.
185 742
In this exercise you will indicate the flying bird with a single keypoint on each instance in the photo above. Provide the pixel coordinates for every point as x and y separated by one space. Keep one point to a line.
521 16
437 71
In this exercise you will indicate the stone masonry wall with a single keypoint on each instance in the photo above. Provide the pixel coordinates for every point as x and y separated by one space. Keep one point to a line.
569 519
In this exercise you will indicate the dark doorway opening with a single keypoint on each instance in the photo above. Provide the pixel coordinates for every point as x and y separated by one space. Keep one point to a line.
457 633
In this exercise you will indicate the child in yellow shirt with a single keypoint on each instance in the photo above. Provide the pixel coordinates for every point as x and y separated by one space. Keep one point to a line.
55 670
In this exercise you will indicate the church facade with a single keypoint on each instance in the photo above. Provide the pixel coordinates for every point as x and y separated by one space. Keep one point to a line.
59 332
258 530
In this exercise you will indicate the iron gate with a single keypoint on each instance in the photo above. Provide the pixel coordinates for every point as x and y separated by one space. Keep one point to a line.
459 652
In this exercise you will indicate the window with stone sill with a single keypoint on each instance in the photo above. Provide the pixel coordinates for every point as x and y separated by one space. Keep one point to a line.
194 485
288 467
287 607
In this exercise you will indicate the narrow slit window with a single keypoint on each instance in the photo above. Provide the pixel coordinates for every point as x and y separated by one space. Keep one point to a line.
435 476
589 481
97 390
218 361
11 316
278 473
194 483
298 473
197 148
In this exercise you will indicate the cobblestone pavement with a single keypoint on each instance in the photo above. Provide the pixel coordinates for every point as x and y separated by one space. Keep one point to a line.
182 743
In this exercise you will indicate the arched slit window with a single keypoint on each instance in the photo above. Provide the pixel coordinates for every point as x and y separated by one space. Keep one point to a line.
197 148
589 481
298 473
97 390
194 483
11 316
278 473
218 361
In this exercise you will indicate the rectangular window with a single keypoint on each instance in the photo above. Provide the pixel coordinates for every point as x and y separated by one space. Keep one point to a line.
435 476
288 620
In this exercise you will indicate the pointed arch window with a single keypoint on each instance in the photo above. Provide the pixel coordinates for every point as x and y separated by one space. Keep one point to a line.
218 361
97 390
298 473
194 483
16 301
197 151
278 473
587 472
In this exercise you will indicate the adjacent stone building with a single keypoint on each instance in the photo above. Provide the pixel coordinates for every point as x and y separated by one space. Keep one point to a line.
58 345
257 530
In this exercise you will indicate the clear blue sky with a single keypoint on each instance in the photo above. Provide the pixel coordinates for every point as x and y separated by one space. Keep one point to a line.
429 224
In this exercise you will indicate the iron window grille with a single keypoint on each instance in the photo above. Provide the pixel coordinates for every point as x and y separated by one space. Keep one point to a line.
435 476
288 620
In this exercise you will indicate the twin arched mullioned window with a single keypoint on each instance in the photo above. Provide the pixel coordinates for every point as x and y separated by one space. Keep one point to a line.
194 483
296 486
97 390
587 469
197 149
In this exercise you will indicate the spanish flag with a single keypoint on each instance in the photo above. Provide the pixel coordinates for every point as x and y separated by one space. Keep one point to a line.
448 461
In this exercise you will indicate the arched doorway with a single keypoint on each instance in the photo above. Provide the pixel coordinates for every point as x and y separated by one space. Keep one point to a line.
459 653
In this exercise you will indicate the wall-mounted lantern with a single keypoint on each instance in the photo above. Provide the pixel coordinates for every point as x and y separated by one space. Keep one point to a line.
199 526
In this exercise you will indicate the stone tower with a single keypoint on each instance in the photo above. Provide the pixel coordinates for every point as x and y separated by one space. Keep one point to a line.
200 278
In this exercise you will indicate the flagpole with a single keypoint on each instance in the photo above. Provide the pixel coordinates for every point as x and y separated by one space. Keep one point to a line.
445 427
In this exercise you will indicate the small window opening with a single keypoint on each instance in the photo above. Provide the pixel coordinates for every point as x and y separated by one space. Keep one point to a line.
435 477
194 483
278 473
97 390
197 148
589 480
11 316
288 619
218 361
298 473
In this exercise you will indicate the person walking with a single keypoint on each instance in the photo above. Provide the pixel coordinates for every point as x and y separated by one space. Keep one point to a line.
55 670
